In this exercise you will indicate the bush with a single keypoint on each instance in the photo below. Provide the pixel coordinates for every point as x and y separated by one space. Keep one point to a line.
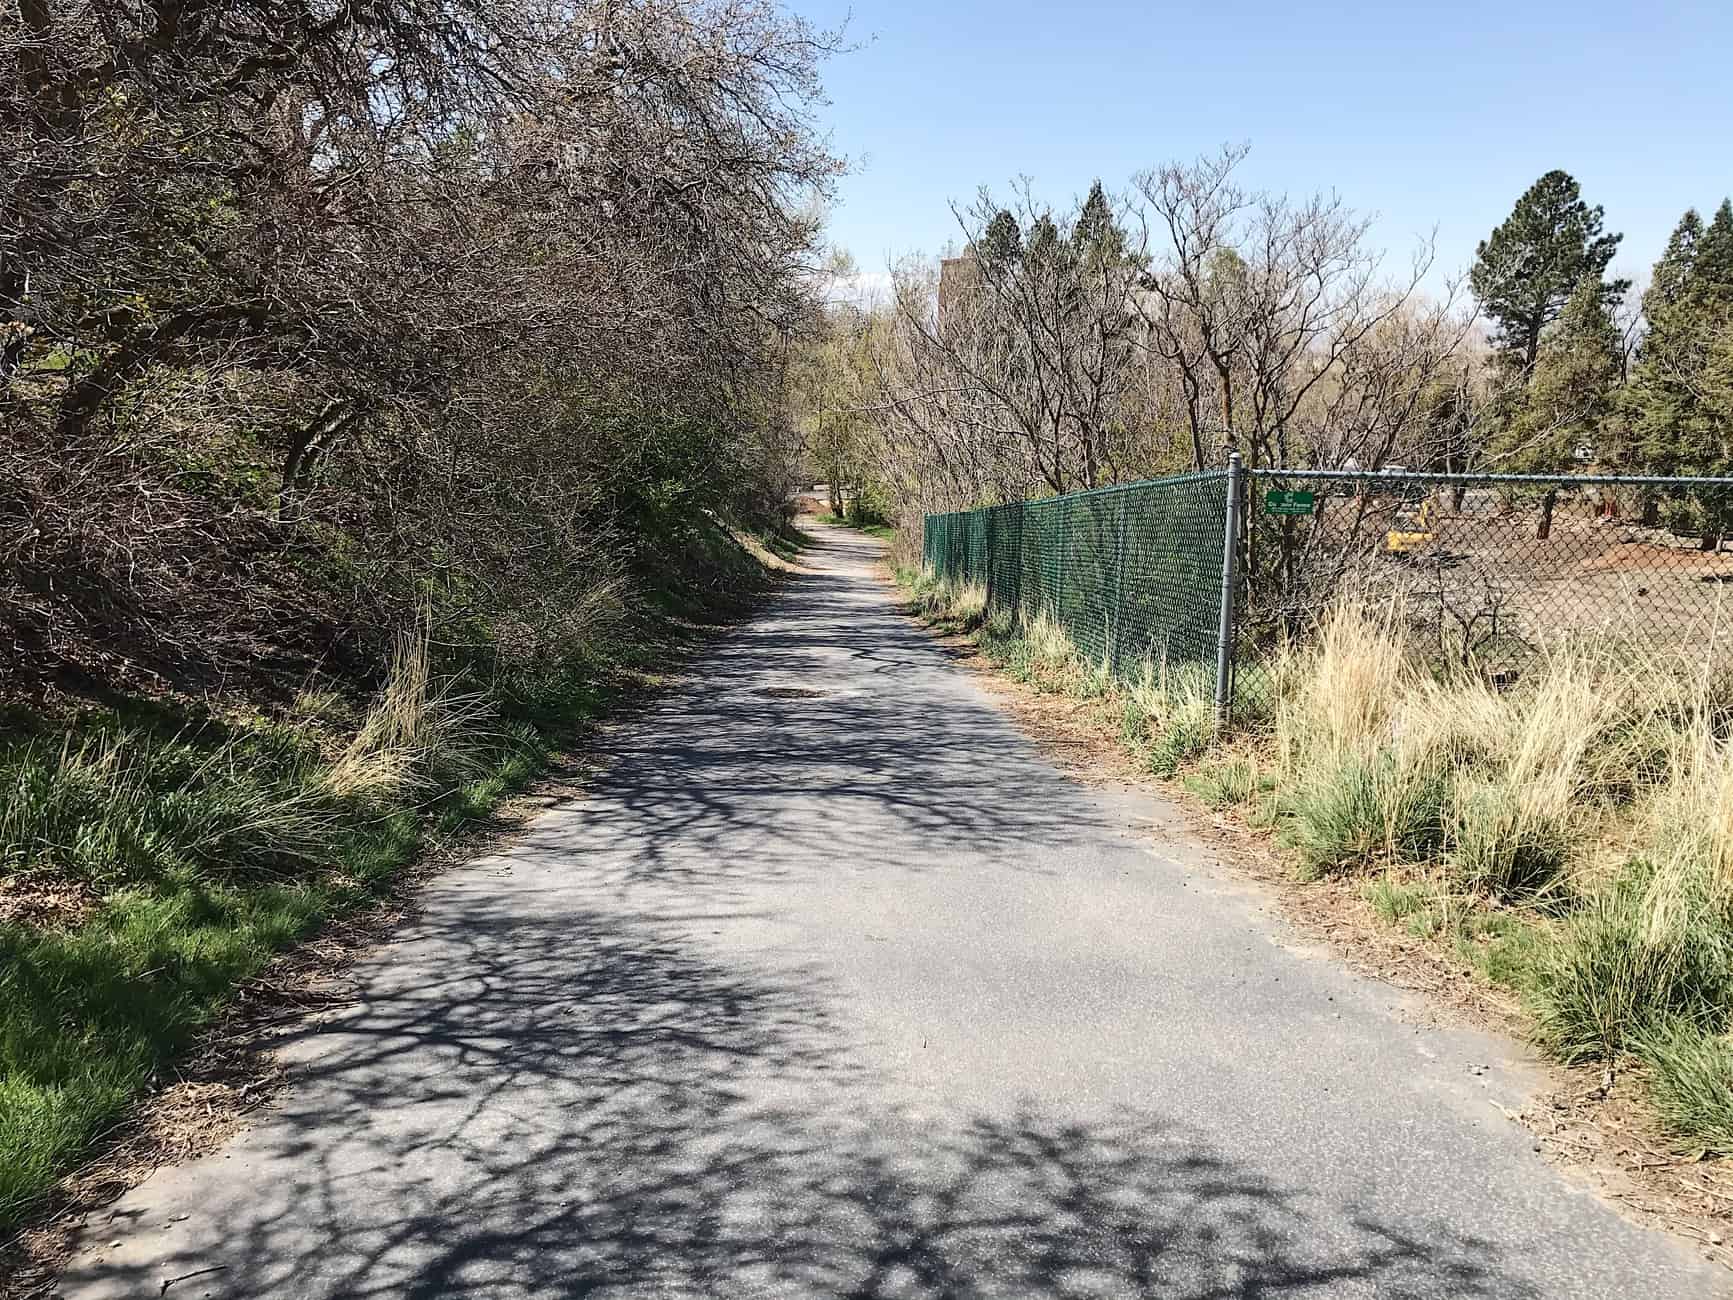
1644 953
1692 1082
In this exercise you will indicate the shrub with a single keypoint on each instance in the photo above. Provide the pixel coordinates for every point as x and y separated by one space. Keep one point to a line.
1692 1082
1645 952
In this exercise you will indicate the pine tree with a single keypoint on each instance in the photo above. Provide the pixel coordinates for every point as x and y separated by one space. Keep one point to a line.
1673 271
1043 241
1713 281
1533 263
1680 401
1001 244
1095 235
1570 394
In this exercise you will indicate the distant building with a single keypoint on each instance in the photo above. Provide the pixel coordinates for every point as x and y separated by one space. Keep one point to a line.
959 277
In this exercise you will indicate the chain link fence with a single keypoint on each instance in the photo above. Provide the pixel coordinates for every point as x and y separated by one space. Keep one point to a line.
1490 570
1133 574
1485 570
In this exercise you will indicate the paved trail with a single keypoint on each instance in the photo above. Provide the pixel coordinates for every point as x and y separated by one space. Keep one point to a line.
854 995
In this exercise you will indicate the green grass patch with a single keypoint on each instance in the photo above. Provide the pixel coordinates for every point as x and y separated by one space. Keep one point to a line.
1639 957
1183 739
208 853
1363 811
1227 784
1396 901
1499 846
1501 945
1504 947
871 527
1691 1080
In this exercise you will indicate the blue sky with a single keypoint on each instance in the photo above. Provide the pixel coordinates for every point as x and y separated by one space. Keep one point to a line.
1437 115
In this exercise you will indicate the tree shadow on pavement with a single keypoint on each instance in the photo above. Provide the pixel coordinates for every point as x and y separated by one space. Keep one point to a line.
581 1105
832 722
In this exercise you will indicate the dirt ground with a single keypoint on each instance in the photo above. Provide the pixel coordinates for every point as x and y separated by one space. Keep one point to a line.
1486 577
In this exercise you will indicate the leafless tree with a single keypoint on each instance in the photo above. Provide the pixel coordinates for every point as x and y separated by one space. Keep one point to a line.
398 286
1288 345
1015 377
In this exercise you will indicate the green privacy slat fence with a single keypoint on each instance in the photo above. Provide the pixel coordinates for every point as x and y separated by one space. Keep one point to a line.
1131 573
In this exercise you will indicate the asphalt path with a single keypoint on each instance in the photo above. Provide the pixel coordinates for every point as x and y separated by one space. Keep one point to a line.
831 985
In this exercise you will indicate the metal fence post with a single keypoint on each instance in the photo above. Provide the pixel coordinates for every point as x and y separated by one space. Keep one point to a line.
1118 606
1225 629
1064 554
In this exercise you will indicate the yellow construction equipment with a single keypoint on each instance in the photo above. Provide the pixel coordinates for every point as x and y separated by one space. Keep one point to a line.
1413 527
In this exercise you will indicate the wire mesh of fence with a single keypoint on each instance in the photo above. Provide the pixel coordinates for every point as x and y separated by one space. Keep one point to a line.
1488 571
1132 574
1484 571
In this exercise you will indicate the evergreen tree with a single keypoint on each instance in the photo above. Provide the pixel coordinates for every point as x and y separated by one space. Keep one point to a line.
1095 235
1533 263
1001 244
1043 241
1570 394
1680 401
1672 273
1713 281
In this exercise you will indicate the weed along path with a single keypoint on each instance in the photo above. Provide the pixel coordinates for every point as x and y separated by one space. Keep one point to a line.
830 985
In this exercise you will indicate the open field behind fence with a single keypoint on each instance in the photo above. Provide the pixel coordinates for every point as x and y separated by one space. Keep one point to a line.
1485 571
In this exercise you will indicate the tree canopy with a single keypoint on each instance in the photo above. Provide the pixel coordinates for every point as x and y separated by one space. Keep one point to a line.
1527 269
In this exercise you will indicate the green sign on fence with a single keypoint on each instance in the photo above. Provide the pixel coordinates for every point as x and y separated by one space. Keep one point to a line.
1278 501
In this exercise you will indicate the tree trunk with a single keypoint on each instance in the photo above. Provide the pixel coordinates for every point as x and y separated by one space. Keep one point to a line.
1546 507
306 446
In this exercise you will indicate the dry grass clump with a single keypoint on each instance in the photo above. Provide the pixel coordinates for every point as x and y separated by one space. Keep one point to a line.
1170 712
422 732
1386 758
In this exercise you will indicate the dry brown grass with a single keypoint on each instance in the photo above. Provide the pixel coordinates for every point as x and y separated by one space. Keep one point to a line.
420 731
